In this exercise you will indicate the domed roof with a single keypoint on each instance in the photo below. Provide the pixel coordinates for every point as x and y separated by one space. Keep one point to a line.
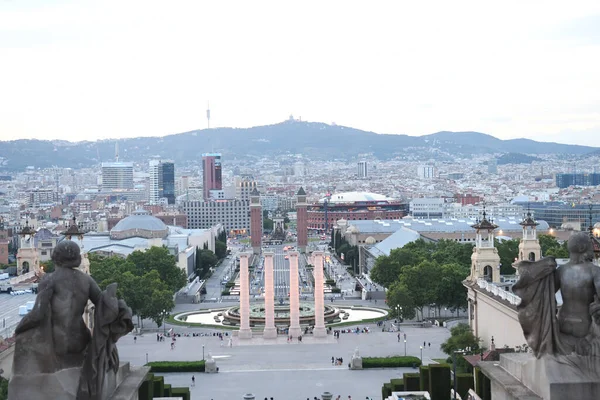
140 220
352 229
352 197
370 240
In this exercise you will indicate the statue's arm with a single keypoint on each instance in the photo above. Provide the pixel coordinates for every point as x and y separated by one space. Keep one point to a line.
95 291
42 302
597 280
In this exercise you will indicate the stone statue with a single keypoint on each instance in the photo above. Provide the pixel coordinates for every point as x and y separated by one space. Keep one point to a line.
55 354
570 331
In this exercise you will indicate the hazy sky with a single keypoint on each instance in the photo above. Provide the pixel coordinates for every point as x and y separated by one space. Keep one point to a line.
80 70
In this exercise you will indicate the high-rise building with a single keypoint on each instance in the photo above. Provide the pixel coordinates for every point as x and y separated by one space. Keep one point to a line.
244 185
425 172
117 175
362 173
233 215
162 181
211 173
579 179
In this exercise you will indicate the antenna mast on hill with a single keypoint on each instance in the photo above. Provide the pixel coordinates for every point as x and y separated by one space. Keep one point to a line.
208 115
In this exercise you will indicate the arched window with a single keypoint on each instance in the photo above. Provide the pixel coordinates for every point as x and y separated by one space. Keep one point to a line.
487 273
25 267
531 256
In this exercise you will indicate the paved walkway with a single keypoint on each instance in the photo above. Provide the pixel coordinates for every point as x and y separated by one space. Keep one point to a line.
287 371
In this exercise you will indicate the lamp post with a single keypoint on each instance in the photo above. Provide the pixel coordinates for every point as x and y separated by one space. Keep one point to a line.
454 353
421 354
405 348
164 322
202 352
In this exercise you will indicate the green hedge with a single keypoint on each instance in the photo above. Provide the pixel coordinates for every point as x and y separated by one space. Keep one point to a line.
412 381
386 390
397 385
167 390
424 381
439 381
390 362
229 285
464 382
181 392
159 385
225 293
484 386
146 390
176 366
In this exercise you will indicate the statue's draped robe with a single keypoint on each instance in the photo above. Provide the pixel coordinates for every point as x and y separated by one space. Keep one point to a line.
113 320
537 310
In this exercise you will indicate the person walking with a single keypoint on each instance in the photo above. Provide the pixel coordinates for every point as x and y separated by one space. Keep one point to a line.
193 380
429 344
332 360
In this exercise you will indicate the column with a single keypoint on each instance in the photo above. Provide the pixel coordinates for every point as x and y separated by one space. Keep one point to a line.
245 332
270 331
319 330
295 330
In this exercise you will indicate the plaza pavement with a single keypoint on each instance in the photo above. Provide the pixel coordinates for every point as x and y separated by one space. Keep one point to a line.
286 370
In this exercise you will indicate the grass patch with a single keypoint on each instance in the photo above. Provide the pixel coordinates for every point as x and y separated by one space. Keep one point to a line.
176 366
391 362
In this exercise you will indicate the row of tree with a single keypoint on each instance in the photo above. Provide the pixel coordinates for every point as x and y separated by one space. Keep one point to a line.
147 280
343 249
206 259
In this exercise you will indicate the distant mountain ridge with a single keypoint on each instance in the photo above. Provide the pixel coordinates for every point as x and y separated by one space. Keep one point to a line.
314 139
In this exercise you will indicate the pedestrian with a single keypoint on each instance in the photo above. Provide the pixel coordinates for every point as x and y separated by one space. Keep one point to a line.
135 339
193 380
429 344
423 344
398 337
331 360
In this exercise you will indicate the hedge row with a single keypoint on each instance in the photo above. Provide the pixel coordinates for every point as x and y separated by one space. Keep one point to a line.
439 381
176 366
391 362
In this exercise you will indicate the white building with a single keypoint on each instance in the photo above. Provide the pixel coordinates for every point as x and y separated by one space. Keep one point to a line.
233 215
427 208
425 172
117 175
362 171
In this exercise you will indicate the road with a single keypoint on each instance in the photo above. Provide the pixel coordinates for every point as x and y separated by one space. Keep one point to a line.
9 311
281 274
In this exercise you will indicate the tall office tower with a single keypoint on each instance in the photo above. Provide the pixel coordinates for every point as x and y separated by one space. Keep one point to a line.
362 170
426 171
256 221
211 174
162 181
117 175
302 218
244 185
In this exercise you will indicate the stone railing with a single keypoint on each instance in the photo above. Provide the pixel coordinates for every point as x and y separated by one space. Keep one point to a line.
21 278
497 291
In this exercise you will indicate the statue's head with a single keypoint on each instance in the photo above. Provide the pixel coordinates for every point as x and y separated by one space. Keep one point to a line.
580 243
66 254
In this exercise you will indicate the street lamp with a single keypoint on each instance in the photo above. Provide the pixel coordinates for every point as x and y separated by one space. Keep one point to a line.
421 354
454 353
164 322
202 352
405 348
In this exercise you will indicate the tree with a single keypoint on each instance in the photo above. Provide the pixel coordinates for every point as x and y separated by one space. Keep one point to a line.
208 260
267 224
220 249
159 259
451 292
157 299
386 271
461 338
48 266
508 250
3 388
399 295
422 282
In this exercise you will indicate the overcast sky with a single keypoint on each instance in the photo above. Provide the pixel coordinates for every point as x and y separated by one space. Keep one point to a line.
80 70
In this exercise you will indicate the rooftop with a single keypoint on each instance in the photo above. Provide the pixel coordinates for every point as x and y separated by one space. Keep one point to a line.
352 197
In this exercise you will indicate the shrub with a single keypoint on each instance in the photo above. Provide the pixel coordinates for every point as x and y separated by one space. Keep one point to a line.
390 362
386 390
181 392
336 290
412 381
397 385
464 382
229 285
225 292
439 381
167 390
159 385
424 381
330 282
146 392
176 366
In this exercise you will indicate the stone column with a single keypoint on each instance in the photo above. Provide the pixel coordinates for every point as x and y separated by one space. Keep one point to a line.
245 331
319 330
270 331
295 330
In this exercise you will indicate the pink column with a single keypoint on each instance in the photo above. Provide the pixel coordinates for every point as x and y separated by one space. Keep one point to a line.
270 331
295 330
245 332
319 330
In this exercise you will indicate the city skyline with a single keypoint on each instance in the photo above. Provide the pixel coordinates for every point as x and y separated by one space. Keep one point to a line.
115 70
